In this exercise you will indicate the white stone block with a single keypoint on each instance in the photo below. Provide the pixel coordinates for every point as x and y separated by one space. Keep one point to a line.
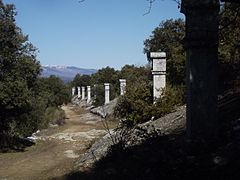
107 92
122 86
83 93
157 55
88 94
79 92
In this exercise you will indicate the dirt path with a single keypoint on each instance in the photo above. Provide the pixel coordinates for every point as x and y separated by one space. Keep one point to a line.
56 149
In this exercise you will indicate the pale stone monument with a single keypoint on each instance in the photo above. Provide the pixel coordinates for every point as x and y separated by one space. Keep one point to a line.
73 91
107 92
79 91
83 93
159 73
122 86
88 94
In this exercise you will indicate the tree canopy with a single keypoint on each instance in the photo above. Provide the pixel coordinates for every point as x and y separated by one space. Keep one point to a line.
24 96
168 37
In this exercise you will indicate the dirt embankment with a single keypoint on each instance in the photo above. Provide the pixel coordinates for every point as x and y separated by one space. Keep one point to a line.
56 149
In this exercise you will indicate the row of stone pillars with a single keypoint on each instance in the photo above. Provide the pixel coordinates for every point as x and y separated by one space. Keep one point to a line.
107 91
159 80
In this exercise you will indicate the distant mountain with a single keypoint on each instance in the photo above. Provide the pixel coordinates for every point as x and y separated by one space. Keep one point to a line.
66 73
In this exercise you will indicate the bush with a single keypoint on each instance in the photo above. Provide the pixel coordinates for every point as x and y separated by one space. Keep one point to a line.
54 115
136 106
172 97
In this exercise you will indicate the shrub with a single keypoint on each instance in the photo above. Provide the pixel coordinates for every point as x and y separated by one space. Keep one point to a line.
55 115
136 106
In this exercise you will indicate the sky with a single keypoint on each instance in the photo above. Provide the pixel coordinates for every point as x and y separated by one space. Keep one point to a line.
91 34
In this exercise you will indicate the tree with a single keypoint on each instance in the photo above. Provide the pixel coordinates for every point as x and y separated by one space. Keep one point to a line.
168 37
229 46
57 92
133 73
107 75
18 71
82 80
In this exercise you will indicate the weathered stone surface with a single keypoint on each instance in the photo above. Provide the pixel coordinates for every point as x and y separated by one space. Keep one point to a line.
171 123
107 92
159 73
122 86
73 91
106 109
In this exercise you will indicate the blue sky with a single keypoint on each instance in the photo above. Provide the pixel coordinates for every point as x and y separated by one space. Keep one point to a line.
91 34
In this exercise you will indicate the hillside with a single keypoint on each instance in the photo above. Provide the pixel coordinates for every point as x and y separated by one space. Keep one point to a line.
66 73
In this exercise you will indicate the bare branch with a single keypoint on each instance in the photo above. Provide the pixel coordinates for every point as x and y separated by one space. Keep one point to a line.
150 7
151 4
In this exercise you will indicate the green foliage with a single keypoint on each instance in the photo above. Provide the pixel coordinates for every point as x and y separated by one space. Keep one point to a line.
108 75
172 97
229 46
18 72
99 95
133 73
57 92
55 115
24 97
82 80
136 106
168 38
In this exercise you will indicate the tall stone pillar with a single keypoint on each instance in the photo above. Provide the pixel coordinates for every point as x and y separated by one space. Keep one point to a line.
159 73
107 92
122 86
88 94
83 93
79 92
73 91
201 44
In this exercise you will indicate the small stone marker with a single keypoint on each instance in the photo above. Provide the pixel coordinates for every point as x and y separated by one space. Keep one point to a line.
83 93
73 91
88 94
159 73
122 86
79 92
94 88
107 92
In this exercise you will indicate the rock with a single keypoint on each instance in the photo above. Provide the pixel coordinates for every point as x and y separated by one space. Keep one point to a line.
105 110
81 102
75 136
70 154
171 123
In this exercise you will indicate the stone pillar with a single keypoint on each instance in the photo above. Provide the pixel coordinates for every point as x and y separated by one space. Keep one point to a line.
94 88
107 92
73 91
83 93
159 73
122 86
88 94
79 92
201 44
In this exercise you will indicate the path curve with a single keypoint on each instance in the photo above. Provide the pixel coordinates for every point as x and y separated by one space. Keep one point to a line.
57 149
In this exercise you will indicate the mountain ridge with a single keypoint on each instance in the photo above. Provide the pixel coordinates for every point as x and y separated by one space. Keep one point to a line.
66 73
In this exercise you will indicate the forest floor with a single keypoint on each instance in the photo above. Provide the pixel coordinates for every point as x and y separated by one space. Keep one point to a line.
57 148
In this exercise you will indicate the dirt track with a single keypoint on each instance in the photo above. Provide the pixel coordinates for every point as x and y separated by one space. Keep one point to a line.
56 149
